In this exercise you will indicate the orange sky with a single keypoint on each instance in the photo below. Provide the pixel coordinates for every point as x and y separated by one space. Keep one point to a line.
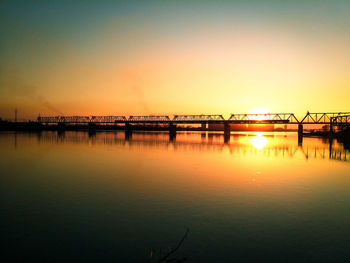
147 58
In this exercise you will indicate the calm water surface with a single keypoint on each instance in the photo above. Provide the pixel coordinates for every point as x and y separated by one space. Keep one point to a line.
100 198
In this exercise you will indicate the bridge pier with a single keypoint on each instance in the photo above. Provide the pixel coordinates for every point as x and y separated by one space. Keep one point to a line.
300 134
330 137
172 137
330 146
92 126
61 126
172 132
91 129
172 128
128 131
331 130
61 129
227 132
300 128
300 140
128 135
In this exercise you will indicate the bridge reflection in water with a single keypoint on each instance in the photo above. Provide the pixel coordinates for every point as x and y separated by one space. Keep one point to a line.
282 145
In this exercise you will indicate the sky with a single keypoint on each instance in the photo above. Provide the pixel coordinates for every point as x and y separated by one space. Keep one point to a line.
173 57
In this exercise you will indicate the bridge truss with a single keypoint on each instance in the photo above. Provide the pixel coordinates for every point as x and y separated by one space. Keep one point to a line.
264 118
107 119
322 118
332 118
81 119
196 118
150 118
341 120
64 119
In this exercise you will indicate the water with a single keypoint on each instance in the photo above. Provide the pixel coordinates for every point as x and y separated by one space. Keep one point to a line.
101 198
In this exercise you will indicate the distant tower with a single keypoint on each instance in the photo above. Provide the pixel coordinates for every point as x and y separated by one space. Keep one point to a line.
15 115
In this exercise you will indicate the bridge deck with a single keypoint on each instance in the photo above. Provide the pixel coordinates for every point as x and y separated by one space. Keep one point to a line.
336 119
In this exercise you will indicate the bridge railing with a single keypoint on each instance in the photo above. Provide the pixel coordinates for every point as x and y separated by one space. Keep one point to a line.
336 118
64 119
81 119
201 117
283 117
322 118
341 120
107 119
149 118
74 119
51 119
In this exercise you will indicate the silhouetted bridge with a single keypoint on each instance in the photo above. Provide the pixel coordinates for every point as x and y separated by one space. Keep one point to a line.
129 122
331 118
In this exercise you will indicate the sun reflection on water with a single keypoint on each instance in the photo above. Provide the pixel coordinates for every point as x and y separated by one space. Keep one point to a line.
259 141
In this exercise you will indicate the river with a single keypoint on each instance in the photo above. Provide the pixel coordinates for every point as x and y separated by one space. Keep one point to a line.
101 197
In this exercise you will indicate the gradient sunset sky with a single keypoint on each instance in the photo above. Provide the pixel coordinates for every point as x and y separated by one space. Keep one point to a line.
173 57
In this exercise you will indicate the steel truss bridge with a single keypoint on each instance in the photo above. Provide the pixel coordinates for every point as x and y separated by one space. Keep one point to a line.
330 118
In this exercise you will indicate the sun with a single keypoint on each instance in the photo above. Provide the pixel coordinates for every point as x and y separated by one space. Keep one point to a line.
258 114
259 111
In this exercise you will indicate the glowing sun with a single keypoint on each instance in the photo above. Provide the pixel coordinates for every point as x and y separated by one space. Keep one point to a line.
259 114
259 111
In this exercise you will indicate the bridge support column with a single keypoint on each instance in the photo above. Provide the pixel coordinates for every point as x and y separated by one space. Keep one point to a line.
91 128
331 130
172 128
61 128
330 137
330 146
227 132
172 137
300 134
203 126
300 128
128 131
172 131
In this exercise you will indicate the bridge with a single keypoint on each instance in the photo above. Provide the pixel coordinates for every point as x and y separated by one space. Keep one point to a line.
330 118
129 123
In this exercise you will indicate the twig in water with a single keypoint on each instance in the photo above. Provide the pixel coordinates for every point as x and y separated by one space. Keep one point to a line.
164 258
